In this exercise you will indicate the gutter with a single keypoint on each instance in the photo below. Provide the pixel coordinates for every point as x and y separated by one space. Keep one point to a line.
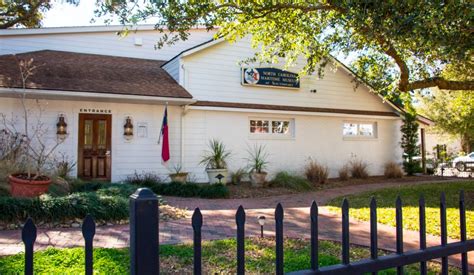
85 96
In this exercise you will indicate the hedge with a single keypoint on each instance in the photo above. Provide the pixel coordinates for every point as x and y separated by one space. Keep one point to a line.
58 209
178 189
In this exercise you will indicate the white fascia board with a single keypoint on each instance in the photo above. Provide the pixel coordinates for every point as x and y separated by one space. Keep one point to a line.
87 96
290 113
79 29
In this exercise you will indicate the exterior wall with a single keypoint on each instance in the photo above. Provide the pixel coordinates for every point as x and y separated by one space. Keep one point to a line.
316 136
105 43
172 68
432 139
140 154
213 74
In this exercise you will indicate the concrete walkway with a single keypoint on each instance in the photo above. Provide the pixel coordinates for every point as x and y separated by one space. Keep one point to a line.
219 223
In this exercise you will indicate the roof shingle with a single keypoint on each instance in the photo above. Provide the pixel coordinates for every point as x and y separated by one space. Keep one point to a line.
79 72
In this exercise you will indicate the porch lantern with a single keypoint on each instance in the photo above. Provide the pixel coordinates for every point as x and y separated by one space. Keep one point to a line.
128 129
61 127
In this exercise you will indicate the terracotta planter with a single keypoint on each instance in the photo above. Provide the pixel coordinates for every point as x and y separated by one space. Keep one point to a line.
179 177
27 188
213 175
257 179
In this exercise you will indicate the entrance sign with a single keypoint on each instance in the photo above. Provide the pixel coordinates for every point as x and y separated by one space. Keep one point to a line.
270 77
95 111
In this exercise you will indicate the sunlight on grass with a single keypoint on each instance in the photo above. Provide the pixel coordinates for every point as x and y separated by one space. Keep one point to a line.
359 206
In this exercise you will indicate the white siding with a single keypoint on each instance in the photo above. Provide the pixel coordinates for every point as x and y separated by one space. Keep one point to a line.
319 137
214 74
140 154
173 69
105 43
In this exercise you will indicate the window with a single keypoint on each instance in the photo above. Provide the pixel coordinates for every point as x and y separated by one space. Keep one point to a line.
271 127
362 129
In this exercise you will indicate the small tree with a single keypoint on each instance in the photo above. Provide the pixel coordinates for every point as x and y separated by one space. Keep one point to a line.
409 141
29 143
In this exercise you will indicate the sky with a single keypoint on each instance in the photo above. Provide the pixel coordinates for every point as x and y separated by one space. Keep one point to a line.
63 14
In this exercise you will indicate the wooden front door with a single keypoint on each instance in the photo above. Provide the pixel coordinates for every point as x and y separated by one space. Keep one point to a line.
94 146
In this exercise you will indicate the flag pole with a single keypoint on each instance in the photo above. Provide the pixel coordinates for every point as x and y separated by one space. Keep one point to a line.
161 129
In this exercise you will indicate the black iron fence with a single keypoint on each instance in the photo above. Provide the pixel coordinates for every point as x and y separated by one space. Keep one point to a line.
144 240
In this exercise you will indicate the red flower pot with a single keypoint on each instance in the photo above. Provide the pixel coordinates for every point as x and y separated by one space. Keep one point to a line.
21 186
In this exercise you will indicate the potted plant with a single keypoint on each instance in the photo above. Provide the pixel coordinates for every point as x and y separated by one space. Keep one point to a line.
35 150
257 163
215 161
178 175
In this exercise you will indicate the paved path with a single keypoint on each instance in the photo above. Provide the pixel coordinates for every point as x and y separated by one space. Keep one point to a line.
219 223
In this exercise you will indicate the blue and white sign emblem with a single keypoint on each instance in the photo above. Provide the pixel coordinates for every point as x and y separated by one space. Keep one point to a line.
251 76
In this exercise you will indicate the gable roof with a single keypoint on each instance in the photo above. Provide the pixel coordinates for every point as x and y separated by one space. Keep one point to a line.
79 72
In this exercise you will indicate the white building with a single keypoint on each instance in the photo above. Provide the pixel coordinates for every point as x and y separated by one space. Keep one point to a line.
97 80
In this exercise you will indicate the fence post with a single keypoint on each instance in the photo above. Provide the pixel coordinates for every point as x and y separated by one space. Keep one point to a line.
28 236
399 229
373 231
462 222
444 232
423 269
144 232
240 221
88 232
314 236
345 232
279 239
196 221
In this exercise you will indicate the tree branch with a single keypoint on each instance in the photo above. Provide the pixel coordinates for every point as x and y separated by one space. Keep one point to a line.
441 83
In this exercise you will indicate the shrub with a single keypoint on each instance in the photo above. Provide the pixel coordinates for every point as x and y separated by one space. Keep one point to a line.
179 189
316 173
344 172
238 175
358 169
285 179
144 179
393 170
59 209
79 185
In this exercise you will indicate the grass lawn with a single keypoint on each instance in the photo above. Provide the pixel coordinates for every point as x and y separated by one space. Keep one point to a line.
359 206
219 257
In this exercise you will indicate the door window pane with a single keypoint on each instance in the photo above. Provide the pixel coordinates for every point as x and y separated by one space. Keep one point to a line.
101 140
88 133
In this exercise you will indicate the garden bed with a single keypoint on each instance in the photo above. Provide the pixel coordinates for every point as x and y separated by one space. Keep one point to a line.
218 257
359 206
244 190
107 203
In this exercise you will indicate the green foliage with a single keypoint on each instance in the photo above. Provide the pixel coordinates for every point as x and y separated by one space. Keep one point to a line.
257 158
409 142
144 179
287 180
238 175
216 156
58 209
359 206
218 257
179 189
405 41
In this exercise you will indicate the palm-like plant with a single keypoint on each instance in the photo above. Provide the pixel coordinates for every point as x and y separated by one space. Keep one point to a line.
257 158
215 158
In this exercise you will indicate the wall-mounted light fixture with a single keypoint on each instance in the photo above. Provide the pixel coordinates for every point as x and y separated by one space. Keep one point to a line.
61 127
128 128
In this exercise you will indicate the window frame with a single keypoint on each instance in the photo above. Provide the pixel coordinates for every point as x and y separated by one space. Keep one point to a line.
270 134
358 136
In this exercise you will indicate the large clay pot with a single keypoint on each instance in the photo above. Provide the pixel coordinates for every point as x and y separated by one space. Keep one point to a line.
27 188
258 179
213 176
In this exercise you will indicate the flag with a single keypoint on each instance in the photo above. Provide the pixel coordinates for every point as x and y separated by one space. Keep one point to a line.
165 148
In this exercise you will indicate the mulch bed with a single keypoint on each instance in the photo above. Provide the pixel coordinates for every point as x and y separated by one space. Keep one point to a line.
244 190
